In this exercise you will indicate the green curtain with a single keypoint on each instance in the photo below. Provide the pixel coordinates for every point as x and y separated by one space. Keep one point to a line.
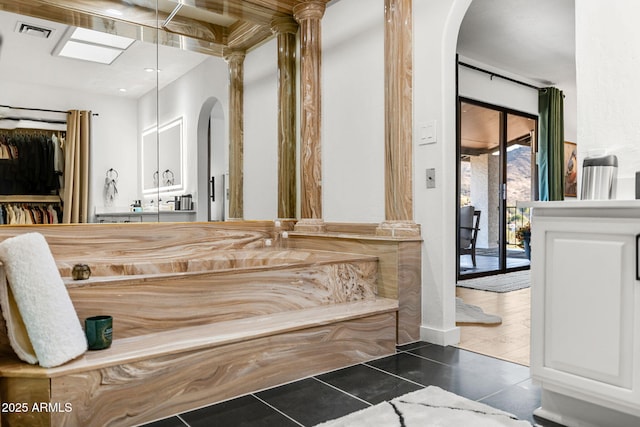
551 144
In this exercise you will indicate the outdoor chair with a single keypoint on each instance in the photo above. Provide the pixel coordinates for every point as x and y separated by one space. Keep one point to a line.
468 234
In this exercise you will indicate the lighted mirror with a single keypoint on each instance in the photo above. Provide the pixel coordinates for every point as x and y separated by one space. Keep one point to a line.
162 158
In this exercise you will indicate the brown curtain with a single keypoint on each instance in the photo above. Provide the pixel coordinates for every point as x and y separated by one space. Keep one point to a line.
76 168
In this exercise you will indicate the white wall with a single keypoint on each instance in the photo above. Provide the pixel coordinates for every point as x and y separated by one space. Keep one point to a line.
261 132
436 25
607 60
114 141
352 130
353 111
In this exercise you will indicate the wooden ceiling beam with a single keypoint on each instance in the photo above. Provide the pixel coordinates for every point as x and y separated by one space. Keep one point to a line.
139 19
244 35
92 14
254 11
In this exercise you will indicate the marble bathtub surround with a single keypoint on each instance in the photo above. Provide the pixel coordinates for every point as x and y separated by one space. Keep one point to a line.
309 15
398 120
235 59
286 30
399 263
200 297
188 298
152 248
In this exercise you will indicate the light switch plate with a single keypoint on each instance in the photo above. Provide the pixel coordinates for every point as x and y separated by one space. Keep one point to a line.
428 133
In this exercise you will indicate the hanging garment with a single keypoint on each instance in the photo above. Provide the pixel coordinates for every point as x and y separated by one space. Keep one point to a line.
110 187
58 158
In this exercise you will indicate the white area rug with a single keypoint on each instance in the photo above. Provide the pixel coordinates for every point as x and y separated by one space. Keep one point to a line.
467 313
500 282
431 406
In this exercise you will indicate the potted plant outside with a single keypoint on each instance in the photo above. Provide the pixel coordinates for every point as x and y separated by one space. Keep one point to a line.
523 235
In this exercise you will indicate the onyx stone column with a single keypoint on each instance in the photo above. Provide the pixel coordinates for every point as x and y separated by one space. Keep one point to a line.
235 60
398 69
285 30
309 14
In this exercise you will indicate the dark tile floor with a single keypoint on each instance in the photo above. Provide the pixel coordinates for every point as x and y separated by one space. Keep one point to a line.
310 401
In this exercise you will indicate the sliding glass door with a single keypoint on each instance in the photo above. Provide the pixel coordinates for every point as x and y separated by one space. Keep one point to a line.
495 170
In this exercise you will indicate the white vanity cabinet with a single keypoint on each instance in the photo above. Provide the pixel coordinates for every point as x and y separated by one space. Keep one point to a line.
585 318
165 216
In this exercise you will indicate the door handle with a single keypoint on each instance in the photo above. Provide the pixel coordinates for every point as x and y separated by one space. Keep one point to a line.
637 253
212 181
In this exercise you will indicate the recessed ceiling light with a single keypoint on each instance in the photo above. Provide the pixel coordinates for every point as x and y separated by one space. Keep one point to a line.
114 12
122 90
151 70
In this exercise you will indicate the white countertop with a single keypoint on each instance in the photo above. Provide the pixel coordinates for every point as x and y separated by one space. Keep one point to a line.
581 204
131 213
584 208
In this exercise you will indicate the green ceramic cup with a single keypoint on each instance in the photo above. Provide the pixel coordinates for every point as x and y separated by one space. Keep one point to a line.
99 331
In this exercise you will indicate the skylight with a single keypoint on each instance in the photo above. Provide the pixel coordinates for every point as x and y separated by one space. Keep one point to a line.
90 45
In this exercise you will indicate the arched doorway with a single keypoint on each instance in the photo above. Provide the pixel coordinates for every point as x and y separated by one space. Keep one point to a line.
212 162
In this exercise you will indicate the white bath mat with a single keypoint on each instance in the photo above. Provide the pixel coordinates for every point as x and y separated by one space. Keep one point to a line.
43 325
431 406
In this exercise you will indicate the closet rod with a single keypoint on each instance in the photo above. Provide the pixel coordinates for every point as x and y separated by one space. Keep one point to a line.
33 109
17 119
39 109
473 67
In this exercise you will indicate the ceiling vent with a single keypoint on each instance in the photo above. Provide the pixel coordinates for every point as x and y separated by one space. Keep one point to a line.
33 30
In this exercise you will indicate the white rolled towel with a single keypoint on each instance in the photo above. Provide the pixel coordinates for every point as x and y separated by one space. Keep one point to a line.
43 304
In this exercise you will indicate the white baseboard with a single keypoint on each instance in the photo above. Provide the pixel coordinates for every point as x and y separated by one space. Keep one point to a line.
443 337
573 412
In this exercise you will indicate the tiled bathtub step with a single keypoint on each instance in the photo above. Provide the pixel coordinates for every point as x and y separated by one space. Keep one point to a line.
141 379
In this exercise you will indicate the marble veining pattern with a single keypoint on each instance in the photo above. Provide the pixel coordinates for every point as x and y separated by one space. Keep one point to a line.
178 300
141 391
399 263
398 110
144 241
308 14
236 133
286 30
